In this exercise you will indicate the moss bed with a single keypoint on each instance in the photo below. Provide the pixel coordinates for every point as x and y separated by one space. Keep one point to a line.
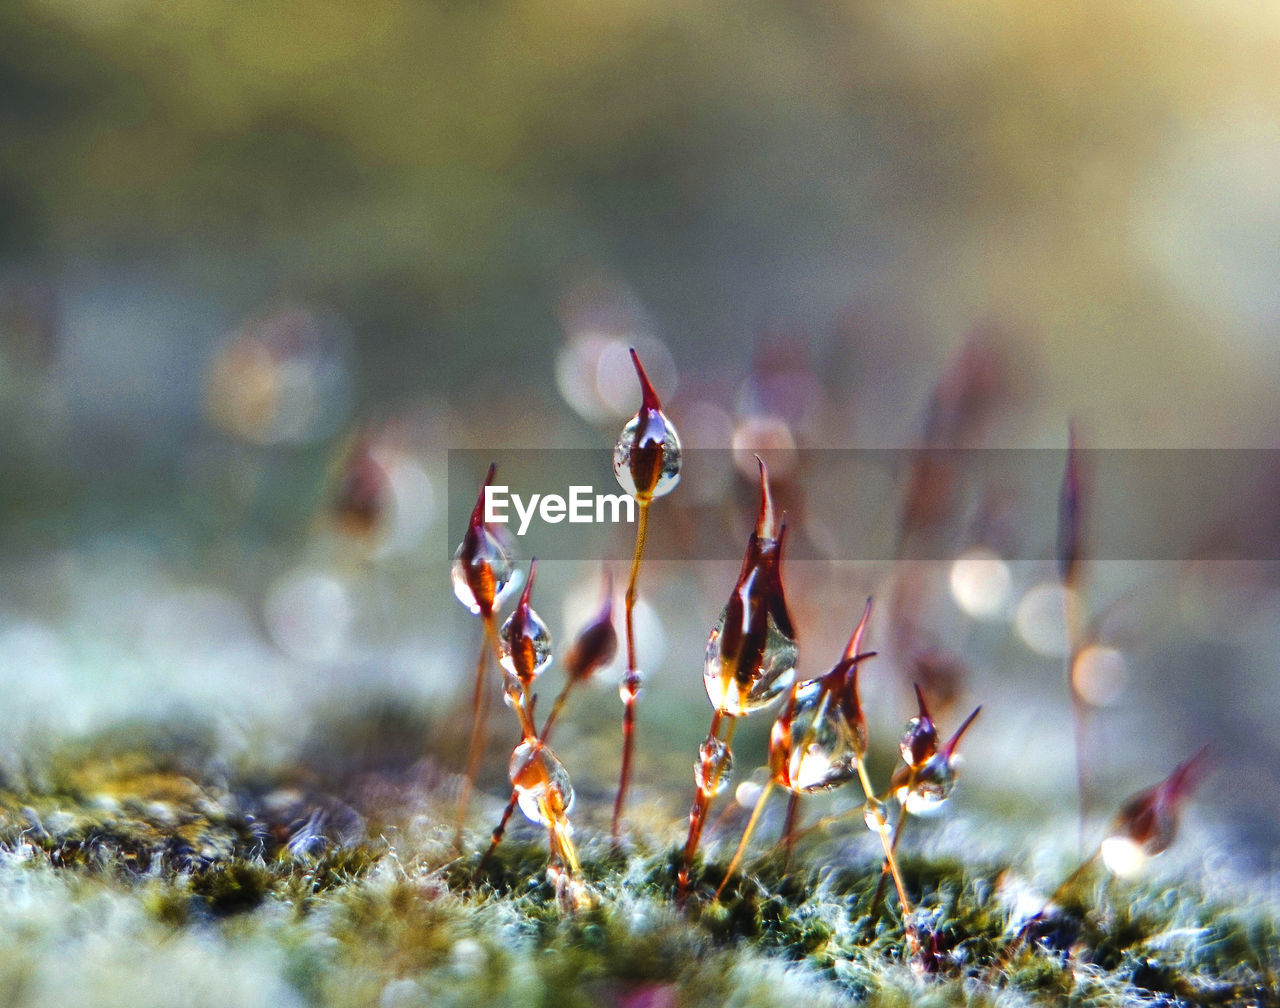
139 870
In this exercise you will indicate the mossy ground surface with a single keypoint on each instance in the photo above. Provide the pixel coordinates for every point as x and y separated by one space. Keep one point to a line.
152 876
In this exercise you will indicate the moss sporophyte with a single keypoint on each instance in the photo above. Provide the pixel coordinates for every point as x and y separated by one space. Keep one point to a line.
819 742
374 888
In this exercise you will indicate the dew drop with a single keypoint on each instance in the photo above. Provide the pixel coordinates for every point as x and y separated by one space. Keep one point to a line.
714 767
541 783
919 741
735 691
875 815
1123 856
823 745
512 691
629 686
524 645
668 470
932 786
490 569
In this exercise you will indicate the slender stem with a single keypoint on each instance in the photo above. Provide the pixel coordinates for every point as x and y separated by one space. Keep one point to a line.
564 854
556 709
789 828
1071 621
632 677
746 837
522 704
500 830
479 708
890 861
701 803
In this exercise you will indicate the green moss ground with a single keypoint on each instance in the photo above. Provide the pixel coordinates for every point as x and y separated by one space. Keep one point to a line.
142 874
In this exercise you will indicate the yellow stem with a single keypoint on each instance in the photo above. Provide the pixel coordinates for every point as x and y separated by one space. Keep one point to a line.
479 708
746 837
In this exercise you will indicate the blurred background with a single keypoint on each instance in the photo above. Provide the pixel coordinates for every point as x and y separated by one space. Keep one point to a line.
263 266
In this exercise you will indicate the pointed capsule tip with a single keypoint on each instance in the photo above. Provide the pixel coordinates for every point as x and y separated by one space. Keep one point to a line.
855 639
924 707
528 585
766 519
648 397
955 739
477 512
1187 774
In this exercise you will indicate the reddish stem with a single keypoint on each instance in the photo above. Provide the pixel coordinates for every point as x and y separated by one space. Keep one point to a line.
500 830
479 708
789 829
631 680
702 798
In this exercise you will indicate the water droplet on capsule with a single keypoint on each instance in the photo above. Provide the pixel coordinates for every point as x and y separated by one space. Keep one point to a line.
823 747
524 646
931 787
668 470
629 685
493 565
875 815
714 767
541 783
1123 856
774 673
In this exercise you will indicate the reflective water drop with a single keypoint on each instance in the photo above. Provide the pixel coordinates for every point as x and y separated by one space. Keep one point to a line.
875 815
714 767
486 572
512 691
737 690
541 783
648 431
646 458
823 748
524 645
931 787
1123 855
920 739
629 685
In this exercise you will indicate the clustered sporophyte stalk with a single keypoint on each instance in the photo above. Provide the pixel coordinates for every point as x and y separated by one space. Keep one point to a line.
922 784
541 784
819 739
592 649
750 661
483 575
646 460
